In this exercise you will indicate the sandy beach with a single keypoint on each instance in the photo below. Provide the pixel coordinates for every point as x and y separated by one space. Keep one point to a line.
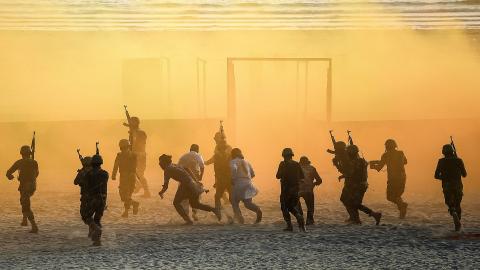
156 239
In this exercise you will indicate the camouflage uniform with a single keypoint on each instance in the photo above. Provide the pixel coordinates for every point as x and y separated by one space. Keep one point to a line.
450 171
395 161
356 185
311 179
290 174
80 181
126 162
221 164
96 197
139 147
28 173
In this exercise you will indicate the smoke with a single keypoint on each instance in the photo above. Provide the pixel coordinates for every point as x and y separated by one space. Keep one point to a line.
53 81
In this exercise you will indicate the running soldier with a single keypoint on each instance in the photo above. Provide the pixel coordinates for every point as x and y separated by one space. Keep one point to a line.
290 174
96 196
126 162
80 181
396 179
28 172
450 170
138 141
356 185
341 161
310 180
221 164
187 189
193 162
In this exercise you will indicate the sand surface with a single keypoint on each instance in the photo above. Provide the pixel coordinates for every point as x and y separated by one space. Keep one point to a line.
156 239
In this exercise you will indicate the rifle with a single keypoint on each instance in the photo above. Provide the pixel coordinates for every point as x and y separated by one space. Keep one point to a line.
81 159
80 156
333 142
32 146
222 131
453 146
350 139
129 125
97 152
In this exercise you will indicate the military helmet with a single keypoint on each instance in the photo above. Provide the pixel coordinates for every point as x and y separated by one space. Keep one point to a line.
135 121
304 160
447 149
87 161
353 149
219 136
124 143
340 146
390 144
25 150
97 160
287 152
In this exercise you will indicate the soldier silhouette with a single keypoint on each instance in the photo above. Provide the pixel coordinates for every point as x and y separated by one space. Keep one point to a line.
28 172
450 170
395 161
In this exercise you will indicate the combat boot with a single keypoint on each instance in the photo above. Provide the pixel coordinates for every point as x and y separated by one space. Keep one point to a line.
289 227
301 226
218 213
403 210
377 216
456 221
259 216
96 234
24 222
135 207
310 220
34 226
90 231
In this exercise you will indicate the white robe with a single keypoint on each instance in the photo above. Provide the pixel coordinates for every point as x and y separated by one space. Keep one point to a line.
242 174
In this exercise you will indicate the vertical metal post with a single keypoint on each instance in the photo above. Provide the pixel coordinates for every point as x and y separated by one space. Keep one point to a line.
231 99
305 109
201 88
329 92
297 86
166 61
204 89
198 87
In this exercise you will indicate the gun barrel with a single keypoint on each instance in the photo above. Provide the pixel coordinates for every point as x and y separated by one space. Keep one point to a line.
452 143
